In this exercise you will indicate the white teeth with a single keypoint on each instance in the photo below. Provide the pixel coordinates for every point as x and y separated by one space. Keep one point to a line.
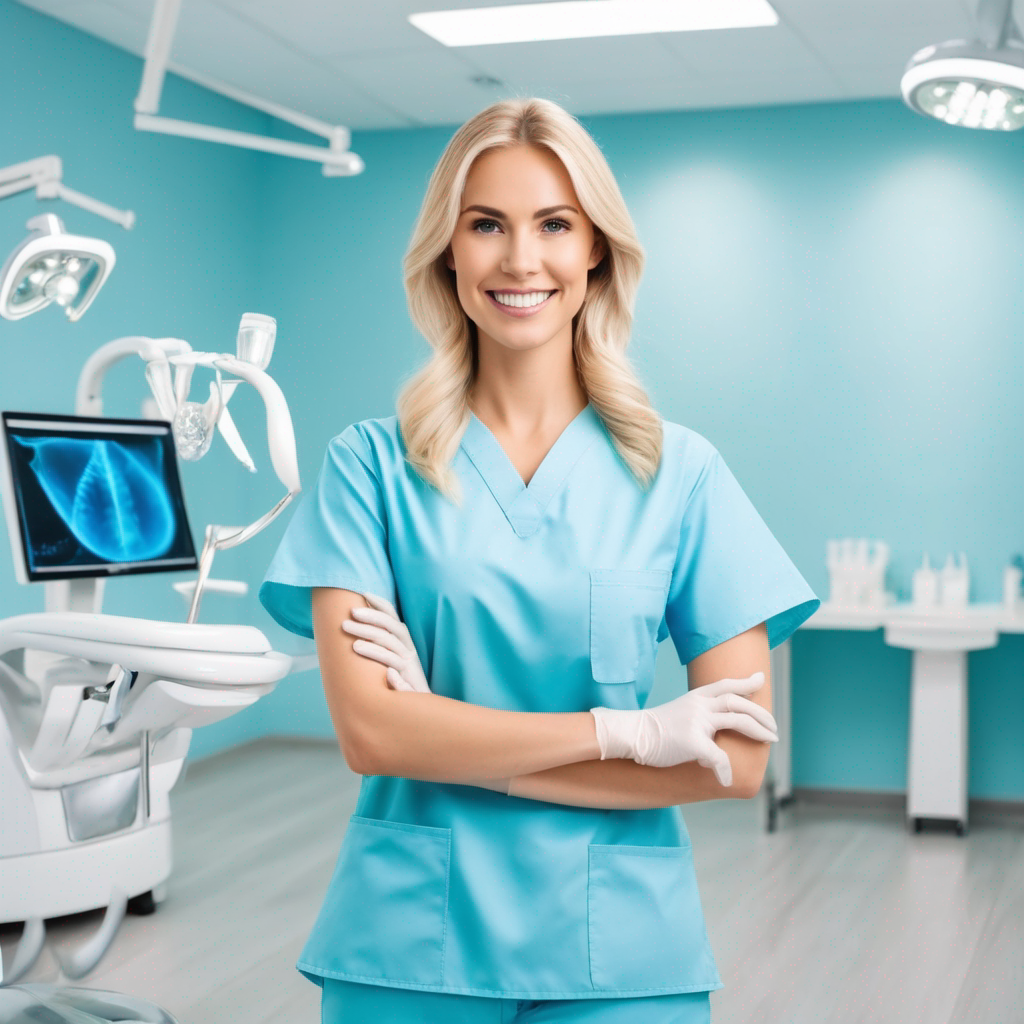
530 299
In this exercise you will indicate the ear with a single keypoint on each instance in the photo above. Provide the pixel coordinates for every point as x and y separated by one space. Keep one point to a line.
599 250
449 259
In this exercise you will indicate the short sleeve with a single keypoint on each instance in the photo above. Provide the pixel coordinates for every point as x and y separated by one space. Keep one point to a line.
336 538
730 572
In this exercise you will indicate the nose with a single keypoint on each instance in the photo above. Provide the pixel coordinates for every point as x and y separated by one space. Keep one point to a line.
522 254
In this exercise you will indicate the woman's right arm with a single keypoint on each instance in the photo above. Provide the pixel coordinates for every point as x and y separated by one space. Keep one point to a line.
426 736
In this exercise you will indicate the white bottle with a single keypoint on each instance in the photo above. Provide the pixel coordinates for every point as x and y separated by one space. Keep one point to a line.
925 585
876 586
955 583
861 572
1011 588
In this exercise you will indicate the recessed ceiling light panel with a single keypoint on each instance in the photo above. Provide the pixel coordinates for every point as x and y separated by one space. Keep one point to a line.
578 19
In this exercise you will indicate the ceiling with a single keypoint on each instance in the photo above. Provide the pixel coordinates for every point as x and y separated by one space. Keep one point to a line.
361 64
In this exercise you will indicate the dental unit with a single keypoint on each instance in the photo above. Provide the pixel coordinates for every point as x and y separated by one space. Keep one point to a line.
97 710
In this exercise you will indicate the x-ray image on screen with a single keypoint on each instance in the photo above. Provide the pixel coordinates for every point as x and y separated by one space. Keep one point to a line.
96 497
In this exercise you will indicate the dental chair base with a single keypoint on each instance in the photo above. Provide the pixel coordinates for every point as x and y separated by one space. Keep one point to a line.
96 716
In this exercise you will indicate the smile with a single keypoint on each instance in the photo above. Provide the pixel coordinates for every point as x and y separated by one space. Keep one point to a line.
519 311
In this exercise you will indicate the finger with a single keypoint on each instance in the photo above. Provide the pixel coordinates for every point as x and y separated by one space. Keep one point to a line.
749 685
382 603
376 634
376 617
734 702
396 680
717 759
377 653
744 724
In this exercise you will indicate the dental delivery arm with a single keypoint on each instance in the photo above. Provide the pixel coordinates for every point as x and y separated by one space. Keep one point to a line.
437 739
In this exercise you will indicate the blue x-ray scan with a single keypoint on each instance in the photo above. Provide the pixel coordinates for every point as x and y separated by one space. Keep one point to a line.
95 501
111 498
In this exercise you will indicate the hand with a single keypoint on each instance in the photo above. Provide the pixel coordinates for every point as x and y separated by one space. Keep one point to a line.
683 729
393 646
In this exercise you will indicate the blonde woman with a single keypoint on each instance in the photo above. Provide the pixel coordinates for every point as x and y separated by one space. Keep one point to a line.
487 575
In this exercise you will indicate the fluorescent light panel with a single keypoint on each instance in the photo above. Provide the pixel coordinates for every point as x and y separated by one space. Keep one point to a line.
579 19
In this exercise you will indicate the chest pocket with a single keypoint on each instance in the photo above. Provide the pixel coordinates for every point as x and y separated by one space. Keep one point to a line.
626 609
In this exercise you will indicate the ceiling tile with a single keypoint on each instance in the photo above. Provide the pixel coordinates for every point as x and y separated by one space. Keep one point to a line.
324 29
568 60
125 28
425 84
838 16
599 96
777 49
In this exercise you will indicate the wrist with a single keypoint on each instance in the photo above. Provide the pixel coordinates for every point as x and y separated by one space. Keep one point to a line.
617 731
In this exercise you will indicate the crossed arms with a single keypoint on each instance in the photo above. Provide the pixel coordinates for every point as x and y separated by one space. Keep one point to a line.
553 757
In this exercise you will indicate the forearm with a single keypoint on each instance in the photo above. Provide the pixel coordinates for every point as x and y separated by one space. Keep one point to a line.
622 784
438 739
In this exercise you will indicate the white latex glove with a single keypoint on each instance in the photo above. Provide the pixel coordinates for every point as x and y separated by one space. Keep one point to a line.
391 643
683 729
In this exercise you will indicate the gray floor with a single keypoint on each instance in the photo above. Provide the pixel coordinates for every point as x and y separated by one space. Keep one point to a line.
842 915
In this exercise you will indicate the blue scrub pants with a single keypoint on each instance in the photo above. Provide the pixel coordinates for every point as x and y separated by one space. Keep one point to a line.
348 1002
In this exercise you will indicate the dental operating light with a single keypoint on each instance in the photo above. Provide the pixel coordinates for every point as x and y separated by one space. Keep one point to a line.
52 265
975 83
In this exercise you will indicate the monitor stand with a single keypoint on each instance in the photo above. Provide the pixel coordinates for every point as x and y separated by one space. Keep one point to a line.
79 595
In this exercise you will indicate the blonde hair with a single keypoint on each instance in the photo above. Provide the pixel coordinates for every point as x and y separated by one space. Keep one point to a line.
432 406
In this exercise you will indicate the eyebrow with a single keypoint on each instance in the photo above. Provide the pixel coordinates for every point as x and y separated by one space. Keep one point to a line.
540 213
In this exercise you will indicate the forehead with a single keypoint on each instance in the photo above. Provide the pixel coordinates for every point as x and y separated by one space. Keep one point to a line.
524 174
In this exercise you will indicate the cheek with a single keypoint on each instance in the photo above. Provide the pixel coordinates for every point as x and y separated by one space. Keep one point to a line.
572 265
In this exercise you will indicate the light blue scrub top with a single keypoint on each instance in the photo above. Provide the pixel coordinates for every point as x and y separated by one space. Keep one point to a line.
547 597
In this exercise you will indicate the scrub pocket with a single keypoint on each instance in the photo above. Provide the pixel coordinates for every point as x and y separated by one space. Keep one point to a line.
386 907
626 608
645 921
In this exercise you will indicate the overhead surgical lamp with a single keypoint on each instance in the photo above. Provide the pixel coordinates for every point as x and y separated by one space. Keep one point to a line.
975 83
52 265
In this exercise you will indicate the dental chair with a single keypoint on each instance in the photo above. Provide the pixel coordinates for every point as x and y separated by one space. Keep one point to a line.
96 710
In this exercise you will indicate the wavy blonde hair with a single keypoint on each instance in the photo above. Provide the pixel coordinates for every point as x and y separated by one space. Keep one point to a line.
433 405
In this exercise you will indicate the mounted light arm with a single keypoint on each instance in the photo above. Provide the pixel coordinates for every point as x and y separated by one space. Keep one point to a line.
337 159
44 174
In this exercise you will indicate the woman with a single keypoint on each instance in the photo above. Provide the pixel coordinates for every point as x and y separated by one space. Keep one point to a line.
517 852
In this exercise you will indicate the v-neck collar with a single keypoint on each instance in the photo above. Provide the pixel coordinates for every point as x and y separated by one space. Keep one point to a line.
524 504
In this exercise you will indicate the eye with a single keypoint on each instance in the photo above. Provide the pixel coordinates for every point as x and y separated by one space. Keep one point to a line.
562 223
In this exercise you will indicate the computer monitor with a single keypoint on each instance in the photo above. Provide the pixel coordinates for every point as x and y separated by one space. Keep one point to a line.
90 496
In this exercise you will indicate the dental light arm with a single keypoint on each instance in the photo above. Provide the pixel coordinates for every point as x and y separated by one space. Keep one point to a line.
336 158
44 174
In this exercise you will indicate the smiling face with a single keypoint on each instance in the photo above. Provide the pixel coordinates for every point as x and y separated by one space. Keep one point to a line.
531 237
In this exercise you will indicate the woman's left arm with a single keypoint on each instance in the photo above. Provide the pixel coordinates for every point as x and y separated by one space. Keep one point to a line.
616 783
623 784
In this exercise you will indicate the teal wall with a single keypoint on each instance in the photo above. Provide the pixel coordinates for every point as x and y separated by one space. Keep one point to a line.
829 298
